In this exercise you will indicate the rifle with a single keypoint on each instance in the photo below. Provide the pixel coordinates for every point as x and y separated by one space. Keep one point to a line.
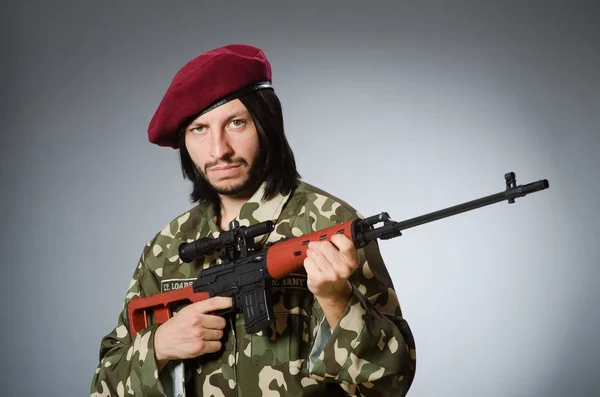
247 270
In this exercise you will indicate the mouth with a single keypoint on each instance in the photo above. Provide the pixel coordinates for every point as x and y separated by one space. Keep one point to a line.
224 170
224 167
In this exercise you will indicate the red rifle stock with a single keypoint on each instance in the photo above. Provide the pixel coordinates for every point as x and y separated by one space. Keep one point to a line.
160 305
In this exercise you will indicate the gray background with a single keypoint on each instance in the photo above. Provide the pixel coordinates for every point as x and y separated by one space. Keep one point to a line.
404 107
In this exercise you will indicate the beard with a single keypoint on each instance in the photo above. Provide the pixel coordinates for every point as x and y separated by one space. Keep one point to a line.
250 181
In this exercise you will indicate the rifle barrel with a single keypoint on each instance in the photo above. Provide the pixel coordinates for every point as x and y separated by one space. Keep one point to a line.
511 193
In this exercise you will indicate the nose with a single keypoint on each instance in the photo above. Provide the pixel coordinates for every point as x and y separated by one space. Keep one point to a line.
219 145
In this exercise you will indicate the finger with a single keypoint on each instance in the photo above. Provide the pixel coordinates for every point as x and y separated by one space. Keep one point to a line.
210 321
345 245
312 270
322 263
346 248
211 346
334 259
211 334
212 304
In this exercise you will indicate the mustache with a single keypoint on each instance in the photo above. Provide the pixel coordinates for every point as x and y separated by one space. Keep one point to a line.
231 161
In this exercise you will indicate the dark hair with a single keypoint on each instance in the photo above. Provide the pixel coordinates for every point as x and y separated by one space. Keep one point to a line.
275 164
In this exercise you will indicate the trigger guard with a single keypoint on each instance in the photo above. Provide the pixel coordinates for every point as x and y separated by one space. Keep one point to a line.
225 312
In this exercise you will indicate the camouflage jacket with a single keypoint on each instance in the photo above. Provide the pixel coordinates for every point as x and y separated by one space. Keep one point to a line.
370 353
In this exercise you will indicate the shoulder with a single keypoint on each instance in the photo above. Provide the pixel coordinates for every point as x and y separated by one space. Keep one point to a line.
187 225
162 249
317 206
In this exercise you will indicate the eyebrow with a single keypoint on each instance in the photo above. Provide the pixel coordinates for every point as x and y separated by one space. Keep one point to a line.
237 113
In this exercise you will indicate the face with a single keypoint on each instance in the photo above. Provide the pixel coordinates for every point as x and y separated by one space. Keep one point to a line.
224 145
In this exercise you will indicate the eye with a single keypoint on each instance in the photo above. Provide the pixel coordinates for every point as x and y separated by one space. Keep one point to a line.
198 130
237 123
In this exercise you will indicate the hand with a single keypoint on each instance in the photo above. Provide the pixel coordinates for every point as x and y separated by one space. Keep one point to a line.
328 266
191 332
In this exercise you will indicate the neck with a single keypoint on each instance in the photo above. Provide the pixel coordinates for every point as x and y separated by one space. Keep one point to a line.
231 206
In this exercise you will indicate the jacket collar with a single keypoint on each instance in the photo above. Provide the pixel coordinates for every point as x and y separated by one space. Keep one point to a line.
254 211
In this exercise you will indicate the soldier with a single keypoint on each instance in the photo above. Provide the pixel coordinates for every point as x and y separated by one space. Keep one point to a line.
339 327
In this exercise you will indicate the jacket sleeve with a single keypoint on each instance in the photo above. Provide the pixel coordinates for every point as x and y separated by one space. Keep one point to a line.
372 351
127 366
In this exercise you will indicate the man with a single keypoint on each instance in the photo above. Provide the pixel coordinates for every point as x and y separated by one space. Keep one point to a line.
338 326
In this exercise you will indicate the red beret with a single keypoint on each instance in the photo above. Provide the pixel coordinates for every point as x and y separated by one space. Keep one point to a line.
207 81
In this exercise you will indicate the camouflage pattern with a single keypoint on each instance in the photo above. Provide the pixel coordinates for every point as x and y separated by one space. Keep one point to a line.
370 353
